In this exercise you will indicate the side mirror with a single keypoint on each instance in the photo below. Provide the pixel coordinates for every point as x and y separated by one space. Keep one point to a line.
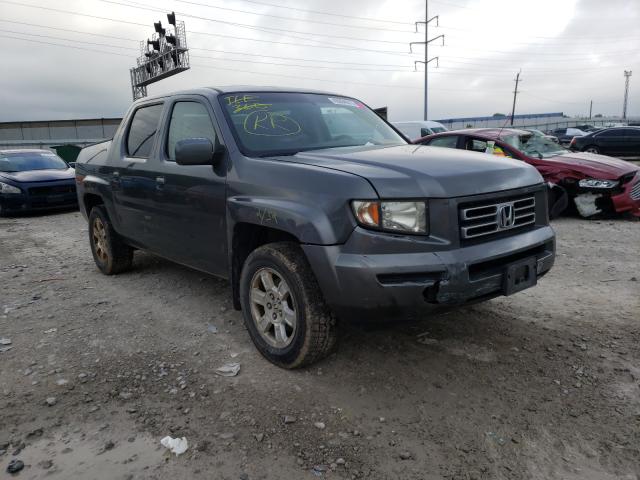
198 151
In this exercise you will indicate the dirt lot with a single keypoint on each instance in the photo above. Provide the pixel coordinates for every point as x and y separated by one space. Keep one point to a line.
541 385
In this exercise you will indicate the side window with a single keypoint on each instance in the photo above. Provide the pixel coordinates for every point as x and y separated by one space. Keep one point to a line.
424 131
476 145
618 133
143 130
450 141
633 132
188 120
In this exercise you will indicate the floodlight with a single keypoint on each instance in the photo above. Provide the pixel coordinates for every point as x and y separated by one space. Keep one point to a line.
158 26
171 39
172 18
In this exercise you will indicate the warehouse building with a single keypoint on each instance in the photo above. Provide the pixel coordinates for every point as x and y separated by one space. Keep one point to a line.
66 137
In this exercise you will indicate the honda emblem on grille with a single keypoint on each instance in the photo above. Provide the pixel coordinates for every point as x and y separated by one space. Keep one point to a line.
506 216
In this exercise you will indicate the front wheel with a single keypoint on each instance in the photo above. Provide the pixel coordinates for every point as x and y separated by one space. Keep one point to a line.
592 149
283 308
109 251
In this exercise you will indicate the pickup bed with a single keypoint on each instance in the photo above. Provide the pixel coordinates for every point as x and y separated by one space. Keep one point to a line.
313 207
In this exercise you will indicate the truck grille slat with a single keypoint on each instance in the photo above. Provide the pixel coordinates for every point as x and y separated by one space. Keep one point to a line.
504 215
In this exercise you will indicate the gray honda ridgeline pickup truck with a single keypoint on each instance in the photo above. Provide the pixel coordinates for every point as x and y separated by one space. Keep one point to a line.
313 207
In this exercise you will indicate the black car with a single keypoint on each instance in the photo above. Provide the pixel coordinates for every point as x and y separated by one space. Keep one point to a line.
619 141
35 180
565 135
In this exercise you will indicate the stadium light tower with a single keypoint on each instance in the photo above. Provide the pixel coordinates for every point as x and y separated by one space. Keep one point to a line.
160 57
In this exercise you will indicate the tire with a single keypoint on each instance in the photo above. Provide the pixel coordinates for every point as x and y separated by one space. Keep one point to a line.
298 328
109 251
591 149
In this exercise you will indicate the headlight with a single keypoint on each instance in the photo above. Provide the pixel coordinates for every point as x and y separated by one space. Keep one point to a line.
6 188
407 217
595 183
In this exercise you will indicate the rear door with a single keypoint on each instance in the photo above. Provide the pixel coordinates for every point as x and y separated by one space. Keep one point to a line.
133 179
632 142
611 141
190 199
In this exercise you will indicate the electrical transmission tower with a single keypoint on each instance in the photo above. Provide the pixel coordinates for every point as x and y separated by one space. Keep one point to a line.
627 75
427 60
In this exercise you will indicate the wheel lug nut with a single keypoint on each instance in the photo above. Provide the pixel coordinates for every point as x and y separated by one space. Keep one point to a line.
275 316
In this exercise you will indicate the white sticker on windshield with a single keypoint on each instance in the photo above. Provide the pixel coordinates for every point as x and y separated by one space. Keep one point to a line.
343 101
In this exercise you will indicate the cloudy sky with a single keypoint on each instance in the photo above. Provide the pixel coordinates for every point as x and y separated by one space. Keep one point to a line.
569 52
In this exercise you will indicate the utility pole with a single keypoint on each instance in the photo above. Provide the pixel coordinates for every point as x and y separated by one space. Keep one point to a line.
515 94
627 75
426 61
590 109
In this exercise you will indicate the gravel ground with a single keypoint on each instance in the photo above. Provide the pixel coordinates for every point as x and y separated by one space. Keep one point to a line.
541 385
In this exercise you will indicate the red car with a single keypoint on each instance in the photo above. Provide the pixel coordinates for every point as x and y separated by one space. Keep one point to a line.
595 183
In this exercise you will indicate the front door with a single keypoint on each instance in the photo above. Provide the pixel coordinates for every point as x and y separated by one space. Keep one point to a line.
190 199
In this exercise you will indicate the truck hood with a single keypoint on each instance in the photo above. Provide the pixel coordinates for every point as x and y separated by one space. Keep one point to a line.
406 171
594 166
39 175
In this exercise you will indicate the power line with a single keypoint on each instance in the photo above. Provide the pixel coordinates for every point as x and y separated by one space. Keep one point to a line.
326 67
325 45
292 19
196 48
319 12
287 31
218 67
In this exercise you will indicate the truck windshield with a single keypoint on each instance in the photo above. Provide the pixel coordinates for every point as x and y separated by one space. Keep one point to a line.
268 124
22 162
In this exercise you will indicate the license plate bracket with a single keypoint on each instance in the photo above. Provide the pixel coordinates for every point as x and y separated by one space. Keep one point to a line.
520 275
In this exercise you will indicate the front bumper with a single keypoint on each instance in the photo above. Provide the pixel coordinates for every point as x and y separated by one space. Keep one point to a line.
380 282
27 201
629 199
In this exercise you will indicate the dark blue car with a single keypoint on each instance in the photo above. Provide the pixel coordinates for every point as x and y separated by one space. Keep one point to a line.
35 180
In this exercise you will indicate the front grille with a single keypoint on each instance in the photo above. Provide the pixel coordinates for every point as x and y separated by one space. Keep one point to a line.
52 190
492 217
635 191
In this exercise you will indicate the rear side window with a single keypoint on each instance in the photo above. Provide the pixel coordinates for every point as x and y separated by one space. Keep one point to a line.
142 131
476 145
448 142
613 133
632 132
188 120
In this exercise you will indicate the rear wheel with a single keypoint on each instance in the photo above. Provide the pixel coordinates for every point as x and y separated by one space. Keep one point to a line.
592 149
283 308
109 251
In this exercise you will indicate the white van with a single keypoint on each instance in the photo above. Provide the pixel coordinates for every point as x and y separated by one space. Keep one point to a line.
419 129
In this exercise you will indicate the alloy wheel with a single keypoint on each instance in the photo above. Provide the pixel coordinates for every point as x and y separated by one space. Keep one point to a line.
100 240
273 307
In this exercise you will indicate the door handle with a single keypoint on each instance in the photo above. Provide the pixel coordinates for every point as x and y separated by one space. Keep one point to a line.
160 180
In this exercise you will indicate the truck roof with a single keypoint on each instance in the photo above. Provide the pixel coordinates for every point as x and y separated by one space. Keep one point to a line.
237 88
